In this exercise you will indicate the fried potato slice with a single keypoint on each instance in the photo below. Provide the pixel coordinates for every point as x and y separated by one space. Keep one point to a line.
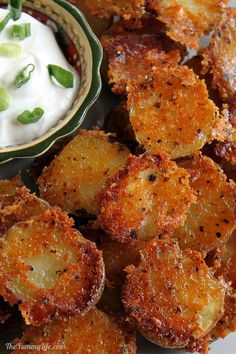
148 197
17 204
80 170
107 8
172 296
94 332
116 255
220 57
212 219
133 55
171 112
49 269
188 20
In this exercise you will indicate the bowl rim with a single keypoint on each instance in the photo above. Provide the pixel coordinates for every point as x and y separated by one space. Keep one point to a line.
95 88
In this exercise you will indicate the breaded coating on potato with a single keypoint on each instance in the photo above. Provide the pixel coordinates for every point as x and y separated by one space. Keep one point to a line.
220 56
212 219
227 323
172 296
134 55
94 332
224 261
126 9
10 186
49 269
80 170
17 204
116 255
188 20
150 196
171 112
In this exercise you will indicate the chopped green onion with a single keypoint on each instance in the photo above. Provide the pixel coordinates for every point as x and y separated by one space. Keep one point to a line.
28 117
10 50
64 77
5 21
20 32
15 7
24 75
4 99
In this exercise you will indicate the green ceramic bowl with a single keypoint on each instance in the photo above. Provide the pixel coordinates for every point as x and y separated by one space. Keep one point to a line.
84 52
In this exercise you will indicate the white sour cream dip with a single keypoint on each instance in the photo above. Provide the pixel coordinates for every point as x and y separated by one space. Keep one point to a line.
40 49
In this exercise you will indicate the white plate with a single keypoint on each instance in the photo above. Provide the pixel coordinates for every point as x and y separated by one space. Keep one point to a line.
228 345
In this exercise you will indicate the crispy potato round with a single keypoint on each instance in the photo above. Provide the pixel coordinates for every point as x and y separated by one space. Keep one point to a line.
227 323
116 255
171 112
107 8
172 296
9 186
220 57
133 56
80 170
188 20
49 269
94 332
148 197
17 204
211 220
225 260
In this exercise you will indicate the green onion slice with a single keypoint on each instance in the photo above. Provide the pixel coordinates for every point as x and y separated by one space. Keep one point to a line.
10 50
24 75
5 21
28 117
15 7
4 99
20 32
64 77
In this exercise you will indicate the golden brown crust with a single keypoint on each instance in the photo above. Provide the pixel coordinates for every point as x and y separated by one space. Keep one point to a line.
18 204
188 21
10 186
123 8
133 55
220 56
227 323
148 197
94 332
172 296
80 170
223 262
171 112
116 255
49 269
211 220
118 123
